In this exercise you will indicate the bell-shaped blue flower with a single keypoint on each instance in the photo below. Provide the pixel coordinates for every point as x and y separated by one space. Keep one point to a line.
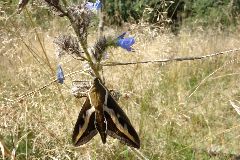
98 5
94 6
125 43
60 75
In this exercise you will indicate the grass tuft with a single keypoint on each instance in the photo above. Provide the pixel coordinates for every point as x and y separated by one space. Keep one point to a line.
181 110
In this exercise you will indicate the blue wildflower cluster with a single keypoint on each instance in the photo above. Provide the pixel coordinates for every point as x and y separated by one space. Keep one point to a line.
97 54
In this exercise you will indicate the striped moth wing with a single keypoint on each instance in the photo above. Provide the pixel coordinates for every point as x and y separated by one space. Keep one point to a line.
84 129
118 124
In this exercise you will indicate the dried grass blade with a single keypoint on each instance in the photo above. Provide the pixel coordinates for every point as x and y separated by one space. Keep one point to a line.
237 108
5 151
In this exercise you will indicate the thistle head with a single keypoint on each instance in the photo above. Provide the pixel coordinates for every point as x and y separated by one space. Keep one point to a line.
67 44
98 51
80 19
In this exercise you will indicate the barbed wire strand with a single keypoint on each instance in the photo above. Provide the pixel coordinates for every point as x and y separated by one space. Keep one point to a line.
191 58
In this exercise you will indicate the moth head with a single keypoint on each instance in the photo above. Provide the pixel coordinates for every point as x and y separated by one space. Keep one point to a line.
97 81
97 93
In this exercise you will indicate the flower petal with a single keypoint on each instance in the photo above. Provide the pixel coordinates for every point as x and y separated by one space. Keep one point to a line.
126 43
98 5
93 6
122 35
89 5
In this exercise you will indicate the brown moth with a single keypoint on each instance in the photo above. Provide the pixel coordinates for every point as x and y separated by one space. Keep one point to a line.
101 114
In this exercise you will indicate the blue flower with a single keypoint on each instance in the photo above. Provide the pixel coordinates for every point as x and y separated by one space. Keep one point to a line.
60 75
89 5
125 43
98 5
93 6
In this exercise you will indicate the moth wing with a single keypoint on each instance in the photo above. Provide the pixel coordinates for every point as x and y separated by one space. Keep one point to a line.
118 124
84 129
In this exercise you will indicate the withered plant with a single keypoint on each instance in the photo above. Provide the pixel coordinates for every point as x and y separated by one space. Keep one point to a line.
100 112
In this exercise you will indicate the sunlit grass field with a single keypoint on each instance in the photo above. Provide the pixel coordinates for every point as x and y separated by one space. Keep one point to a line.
181 110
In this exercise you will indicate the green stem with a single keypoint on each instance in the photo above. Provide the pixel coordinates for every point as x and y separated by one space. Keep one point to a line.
65 3
93 66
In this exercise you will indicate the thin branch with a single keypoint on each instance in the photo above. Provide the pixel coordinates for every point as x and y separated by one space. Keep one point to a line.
191 58
58 7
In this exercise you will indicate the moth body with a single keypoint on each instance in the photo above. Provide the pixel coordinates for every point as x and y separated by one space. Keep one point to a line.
101 114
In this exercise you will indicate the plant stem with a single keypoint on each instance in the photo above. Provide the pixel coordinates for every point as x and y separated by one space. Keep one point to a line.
93 66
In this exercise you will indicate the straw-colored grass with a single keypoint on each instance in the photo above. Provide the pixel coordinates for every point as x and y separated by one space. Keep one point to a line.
181 110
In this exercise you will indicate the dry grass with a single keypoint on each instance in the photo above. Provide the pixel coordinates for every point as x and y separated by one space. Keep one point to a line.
181 110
